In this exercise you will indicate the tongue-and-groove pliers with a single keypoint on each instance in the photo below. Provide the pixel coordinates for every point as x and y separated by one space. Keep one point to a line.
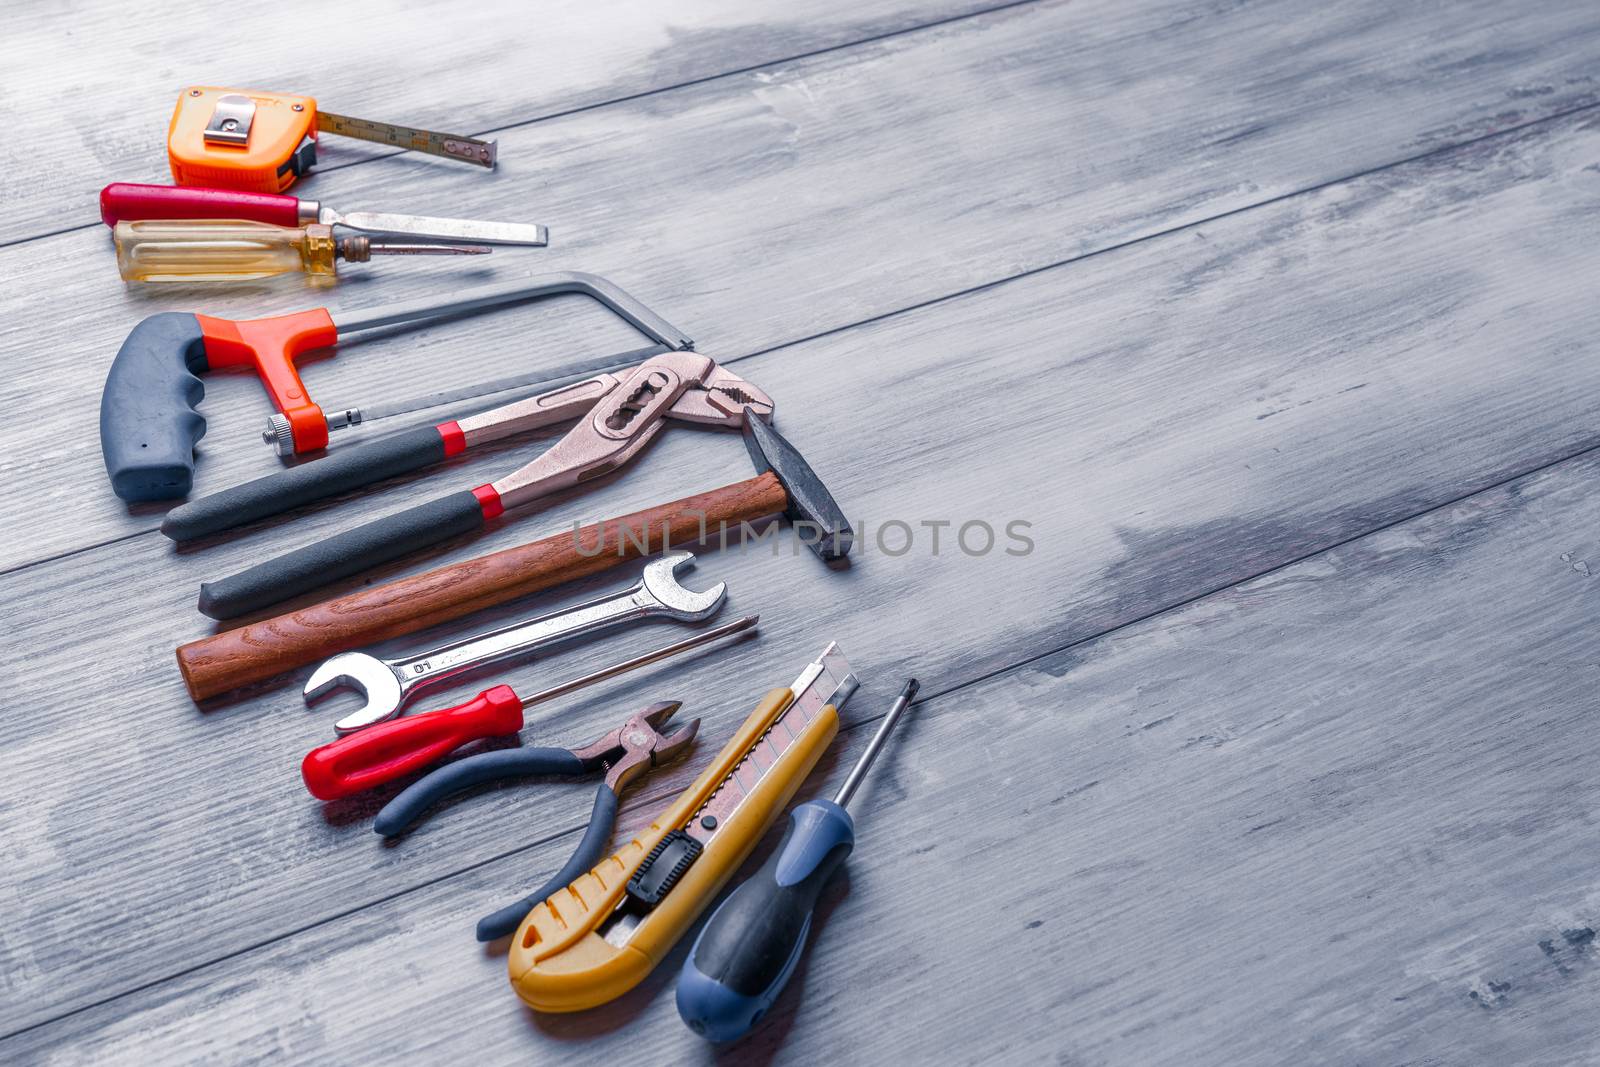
622 412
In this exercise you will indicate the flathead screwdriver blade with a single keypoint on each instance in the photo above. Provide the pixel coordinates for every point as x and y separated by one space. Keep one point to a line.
477 230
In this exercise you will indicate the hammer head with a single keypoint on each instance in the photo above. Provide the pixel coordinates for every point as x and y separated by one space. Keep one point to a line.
811 507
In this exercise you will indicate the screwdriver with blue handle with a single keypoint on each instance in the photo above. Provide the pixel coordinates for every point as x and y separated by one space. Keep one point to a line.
751 944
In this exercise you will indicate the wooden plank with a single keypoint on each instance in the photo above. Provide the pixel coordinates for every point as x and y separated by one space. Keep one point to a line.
791 201
1383 388
89 89
1332 815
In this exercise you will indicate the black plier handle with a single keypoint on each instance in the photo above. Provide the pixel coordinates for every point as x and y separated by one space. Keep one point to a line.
626 753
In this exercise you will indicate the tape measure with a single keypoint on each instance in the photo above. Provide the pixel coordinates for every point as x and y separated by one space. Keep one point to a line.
263 142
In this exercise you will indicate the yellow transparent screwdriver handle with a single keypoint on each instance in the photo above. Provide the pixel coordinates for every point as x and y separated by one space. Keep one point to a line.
198 250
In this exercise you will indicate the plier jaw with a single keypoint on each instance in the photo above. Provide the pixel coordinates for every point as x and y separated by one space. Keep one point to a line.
719 398
638 744
625 413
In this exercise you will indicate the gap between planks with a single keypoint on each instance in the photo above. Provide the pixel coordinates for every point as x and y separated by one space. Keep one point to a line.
1460 487
846 730
1174 171
626 98
650 800
1324 549
981 287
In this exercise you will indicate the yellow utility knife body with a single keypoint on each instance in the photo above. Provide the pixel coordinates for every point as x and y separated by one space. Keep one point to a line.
597 938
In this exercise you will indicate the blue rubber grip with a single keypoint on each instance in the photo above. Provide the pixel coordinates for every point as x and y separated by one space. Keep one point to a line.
753 941
404 810
148 421
504 922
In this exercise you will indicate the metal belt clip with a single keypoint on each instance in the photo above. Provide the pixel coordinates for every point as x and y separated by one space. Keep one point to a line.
230 122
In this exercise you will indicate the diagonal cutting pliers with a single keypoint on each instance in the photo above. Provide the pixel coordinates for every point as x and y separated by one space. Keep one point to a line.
625 753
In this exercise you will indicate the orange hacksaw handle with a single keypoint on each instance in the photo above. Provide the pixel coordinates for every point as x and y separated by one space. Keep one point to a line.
269 347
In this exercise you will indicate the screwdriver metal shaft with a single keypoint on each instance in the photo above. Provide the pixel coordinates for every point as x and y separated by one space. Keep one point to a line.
725 630
178 250
859 771
361 249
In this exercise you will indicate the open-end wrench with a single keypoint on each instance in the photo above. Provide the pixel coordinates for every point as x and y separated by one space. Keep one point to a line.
388 684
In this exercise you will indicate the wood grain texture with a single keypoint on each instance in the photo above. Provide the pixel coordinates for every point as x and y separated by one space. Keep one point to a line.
260 650
87 90
785 202
1195 430
1226 855
1327 816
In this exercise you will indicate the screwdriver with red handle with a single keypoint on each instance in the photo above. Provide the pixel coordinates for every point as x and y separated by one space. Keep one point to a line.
131 202
390 750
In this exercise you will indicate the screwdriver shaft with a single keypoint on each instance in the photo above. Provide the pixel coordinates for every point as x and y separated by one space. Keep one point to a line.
859 771
398 248
361 249
647 658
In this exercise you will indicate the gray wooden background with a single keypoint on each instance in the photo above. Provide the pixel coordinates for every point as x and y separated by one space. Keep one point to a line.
1275 320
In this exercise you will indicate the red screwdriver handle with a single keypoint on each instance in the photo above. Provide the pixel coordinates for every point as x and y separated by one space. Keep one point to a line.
392 749
128 201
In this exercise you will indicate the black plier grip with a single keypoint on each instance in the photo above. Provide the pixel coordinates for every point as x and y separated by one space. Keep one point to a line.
590 851
624 753
405 809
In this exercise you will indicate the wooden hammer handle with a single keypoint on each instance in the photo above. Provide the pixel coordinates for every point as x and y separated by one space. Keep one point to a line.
261 650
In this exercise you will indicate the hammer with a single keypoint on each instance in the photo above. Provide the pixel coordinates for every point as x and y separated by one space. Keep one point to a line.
785 485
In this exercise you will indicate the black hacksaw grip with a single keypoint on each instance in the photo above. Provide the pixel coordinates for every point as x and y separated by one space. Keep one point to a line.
149 422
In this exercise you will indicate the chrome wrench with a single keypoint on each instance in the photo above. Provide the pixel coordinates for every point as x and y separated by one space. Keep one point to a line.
389 684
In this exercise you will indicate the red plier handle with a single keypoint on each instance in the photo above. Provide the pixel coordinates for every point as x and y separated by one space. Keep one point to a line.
128 201
390 750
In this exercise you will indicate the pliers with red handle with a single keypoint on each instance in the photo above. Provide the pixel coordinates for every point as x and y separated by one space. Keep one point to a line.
625 754
619 414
